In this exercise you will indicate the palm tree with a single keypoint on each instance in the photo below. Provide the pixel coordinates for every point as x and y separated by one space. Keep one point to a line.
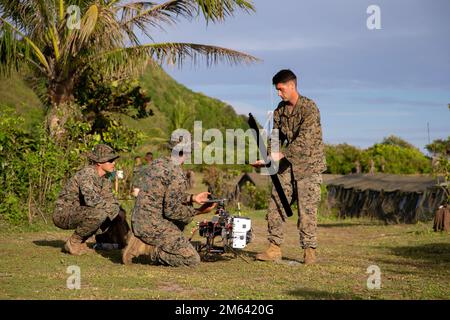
60 40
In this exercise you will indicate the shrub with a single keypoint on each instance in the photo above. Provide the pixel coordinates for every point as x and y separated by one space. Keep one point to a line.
33 168
342 158
393 155
395 159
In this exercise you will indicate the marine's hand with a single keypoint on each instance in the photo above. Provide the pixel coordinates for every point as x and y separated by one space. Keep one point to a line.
201 197
277 156
258 164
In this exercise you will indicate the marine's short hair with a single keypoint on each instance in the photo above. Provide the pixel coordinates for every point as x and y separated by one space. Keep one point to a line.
137 161
284 76
149 154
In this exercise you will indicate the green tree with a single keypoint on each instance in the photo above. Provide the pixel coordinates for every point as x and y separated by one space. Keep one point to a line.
393 155
103 102
60 40
395 159
439 147
440 150
397 141
342 158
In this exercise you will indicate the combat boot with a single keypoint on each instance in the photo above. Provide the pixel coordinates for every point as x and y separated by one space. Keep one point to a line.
273 253
146 249
75 246
86 249
309 256
135 248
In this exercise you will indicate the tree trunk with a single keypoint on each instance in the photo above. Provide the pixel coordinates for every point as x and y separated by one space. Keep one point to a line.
61 102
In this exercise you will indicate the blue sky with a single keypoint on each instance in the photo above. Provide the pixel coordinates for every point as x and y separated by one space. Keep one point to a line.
368 84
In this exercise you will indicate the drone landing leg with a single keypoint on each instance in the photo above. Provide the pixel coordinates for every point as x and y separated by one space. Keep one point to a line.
239 254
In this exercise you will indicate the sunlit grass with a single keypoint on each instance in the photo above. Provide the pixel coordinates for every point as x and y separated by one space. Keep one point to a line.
414 264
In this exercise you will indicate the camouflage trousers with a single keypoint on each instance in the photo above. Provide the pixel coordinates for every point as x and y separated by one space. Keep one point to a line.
172 248
86 221
306 191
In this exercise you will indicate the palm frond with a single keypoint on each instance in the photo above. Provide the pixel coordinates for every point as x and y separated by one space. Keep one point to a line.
47 10
83 4
143 14
61 9
132 61
20 13
218 10
16 46
177 53
117 64
10 48
78 38
36 32
54 38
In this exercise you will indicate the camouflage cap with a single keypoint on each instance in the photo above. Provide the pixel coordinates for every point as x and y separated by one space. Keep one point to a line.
102 153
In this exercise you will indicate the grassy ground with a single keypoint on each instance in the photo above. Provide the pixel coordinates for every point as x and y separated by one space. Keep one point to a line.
414 264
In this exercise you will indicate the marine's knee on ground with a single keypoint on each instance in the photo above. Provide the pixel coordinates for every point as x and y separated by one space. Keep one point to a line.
185 257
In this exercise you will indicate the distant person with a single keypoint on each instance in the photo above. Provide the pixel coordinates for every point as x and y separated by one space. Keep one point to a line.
301 165
137 162
382 164
149 157
87 203
357 167
137 173
372 167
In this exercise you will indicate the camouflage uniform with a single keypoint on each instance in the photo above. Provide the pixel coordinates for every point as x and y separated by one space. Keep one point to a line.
300 171
162 210
86 202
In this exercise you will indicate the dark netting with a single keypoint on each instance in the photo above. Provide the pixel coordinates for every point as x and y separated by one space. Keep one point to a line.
392 198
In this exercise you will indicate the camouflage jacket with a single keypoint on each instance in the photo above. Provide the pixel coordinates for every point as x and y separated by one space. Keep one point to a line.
300 133
87 188
163 194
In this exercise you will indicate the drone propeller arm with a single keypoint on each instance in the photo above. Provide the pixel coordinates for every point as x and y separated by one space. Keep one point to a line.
206 207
